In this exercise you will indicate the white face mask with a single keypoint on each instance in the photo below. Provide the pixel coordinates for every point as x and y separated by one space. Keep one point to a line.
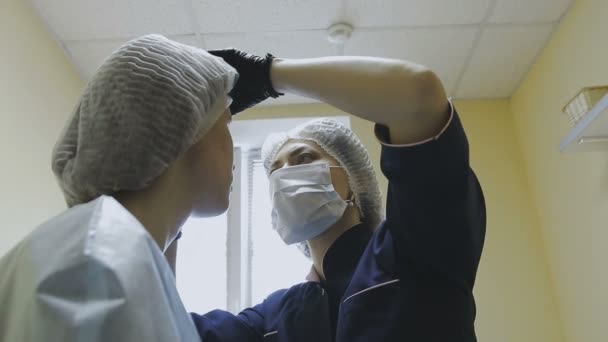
305 203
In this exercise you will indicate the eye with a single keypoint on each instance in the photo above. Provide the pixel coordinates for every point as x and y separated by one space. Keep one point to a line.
305 158
273 168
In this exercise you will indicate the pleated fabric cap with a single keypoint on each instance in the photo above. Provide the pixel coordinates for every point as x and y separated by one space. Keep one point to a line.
342 144
145 106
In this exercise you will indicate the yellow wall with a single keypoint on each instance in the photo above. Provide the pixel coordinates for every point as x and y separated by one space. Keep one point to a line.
570 190
515 297
38 88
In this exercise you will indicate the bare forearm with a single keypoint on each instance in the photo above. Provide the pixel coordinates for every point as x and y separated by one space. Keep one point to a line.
406 97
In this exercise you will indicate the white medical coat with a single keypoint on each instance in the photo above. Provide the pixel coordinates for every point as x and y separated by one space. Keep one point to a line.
93 273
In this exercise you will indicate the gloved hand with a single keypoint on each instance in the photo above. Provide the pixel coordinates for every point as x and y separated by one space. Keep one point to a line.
253 85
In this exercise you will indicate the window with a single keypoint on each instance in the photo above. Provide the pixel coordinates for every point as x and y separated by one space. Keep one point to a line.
236 260
201 268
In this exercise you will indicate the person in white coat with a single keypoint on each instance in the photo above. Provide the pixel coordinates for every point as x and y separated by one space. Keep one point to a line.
147 146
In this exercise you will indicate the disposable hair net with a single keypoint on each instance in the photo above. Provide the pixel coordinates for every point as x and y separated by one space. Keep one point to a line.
343 145
145 106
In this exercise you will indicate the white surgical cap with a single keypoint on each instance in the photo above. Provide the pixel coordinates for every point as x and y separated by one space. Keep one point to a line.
343 145
147 104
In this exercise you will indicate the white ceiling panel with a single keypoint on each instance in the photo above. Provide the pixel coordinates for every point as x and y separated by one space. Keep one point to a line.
220 16
89 55
501 60
443 50
302 44
111 19
436 33
528 11
383 13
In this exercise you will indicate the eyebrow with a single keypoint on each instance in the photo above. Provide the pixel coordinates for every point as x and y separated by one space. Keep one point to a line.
293 152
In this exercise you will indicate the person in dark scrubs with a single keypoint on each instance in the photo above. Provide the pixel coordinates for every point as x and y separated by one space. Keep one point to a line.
407 275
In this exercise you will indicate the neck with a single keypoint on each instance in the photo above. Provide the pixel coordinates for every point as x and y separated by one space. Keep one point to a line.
320 245
161 212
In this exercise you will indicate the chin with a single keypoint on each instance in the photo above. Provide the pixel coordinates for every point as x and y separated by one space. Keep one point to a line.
216 208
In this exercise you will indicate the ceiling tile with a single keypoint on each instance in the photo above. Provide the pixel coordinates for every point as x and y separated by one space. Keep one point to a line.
442 50
303 44
501 60
219 16
437 33
528 11
383 13
93 19
89 55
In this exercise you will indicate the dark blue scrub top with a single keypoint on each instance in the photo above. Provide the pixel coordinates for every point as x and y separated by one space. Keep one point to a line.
410 280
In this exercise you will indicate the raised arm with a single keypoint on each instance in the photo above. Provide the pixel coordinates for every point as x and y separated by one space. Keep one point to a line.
406 97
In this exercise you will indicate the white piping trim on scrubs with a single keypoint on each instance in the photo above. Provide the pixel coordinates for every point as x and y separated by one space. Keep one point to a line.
372 288
271 333
422 142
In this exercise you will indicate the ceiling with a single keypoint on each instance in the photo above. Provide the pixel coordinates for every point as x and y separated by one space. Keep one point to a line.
479 48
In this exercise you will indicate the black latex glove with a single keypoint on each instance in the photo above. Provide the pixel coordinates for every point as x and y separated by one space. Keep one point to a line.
253 85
